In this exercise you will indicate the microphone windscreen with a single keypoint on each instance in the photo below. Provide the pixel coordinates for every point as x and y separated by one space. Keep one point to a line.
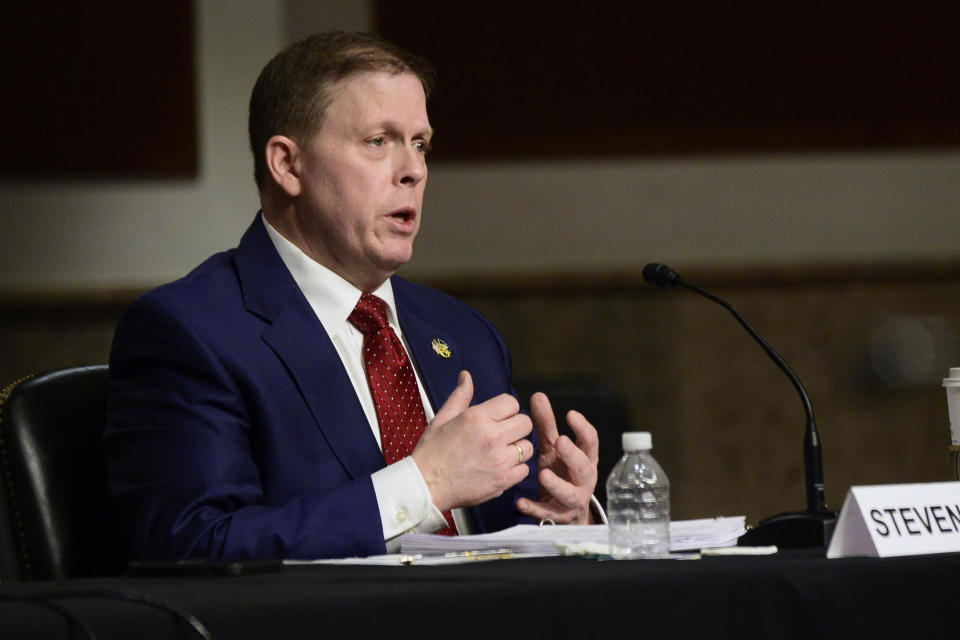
661 275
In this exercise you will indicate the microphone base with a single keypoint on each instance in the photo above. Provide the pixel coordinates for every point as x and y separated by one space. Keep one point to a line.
794 530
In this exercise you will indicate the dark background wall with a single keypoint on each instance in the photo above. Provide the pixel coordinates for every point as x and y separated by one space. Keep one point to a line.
557 79
833 230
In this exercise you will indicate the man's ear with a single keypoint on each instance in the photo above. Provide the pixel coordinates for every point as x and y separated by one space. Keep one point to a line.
283 164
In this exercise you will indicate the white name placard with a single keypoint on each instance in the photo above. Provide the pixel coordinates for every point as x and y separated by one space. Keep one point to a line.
898 520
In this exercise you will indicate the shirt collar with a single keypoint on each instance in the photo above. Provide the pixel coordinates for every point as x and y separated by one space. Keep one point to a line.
331 297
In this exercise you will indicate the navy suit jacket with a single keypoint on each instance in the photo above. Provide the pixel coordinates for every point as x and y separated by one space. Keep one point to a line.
233 430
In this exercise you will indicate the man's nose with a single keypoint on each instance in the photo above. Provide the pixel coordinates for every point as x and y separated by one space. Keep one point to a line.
411 167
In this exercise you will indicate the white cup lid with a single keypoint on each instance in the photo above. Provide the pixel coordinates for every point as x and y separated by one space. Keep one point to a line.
954 378
636 441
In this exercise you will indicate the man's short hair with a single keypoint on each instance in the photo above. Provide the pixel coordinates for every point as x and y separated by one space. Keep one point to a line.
293 91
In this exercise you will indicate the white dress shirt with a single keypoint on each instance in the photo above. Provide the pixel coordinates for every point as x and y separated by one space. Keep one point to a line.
402 495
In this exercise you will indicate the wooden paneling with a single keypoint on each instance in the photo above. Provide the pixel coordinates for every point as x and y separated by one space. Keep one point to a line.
560 78
727 425
98 90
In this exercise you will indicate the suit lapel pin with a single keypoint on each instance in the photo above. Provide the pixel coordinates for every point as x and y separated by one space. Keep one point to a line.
440 347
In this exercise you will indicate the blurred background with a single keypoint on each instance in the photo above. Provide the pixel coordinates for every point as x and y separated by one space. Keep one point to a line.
801 160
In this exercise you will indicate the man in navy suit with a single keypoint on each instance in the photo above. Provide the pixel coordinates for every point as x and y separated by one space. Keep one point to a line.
241 423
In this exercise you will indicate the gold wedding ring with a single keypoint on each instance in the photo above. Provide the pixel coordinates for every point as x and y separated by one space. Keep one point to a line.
519 451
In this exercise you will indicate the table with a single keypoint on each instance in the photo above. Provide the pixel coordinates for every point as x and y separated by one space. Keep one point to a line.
795 593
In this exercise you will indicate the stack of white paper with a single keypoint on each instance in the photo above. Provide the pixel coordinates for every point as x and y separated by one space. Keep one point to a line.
685 535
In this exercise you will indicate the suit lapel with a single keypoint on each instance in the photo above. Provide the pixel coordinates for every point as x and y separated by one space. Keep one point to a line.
299 340
437 371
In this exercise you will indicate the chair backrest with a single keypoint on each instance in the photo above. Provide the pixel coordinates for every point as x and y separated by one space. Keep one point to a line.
61 522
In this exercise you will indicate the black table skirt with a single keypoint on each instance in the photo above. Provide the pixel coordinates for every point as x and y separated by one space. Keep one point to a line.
790 594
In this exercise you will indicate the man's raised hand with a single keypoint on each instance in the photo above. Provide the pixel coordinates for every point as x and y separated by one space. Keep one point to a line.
468 455
567 470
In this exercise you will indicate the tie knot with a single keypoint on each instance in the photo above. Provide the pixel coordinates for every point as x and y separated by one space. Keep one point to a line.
370 314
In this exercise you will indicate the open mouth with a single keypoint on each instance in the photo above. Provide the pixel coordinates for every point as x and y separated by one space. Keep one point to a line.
403 215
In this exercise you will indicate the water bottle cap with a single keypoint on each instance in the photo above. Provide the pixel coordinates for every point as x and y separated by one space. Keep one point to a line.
636 441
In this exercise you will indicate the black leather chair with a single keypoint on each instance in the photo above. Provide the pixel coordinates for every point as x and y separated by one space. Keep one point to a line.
56 517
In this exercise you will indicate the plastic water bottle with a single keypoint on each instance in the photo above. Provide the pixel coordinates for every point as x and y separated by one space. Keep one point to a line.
638 501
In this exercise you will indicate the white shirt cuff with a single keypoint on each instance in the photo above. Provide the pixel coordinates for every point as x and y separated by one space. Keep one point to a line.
404 501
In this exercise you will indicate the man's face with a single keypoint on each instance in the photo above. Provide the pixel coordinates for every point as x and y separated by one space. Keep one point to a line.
363 175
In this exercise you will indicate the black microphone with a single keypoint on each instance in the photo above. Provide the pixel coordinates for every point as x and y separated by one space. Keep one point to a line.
814 526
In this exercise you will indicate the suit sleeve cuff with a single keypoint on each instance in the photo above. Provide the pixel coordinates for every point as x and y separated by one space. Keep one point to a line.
404 501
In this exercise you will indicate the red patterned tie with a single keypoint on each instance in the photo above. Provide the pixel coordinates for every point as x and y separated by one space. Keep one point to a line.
393 385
